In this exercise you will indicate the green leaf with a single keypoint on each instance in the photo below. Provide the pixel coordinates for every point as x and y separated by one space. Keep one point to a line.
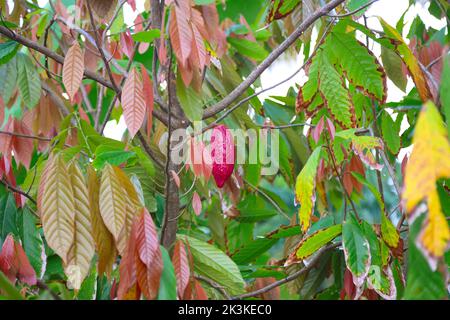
251 215
393 65
314 242
356 4
252 250
31 240
88 288
8 50
190 101
106 154
356 251
248 48
361 67
147 36
422 283
334 93
204 2
29 81
445 91
8 214
8 74
305 188
390 131
9 289
215 265
168 283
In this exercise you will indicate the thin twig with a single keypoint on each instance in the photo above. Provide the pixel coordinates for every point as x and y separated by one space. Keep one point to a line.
290 278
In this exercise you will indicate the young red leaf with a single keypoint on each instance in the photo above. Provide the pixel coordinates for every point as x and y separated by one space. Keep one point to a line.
222 154
197 203
25 272
181 265
148 98
8 263
126 43
317 131
133 102
180 30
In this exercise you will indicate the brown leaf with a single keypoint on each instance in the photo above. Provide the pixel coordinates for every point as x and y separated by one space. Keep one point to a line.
73 70
103 8
133 102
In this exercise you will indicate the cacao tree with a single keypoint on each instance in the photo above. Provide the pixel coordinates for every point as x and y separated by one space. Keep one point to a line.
217 188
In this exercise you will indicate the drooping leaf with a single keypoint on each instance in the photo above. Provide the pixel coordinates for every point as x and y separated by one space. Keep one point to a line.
113 205
133 102
82 250
390 131
427 164
393 65
180 30
149 264
73 70
104 241
181 265
168 284
249 48
28 80
409 59
356 251
58 207
305 193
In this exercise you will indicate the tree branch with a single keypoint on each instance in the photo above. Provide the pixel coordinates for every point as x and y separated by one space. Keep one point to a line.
290 278
49 53
254 75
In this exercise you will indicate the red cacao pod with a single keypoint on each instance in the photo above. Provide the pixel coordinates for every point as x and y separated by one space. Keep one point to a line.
222 154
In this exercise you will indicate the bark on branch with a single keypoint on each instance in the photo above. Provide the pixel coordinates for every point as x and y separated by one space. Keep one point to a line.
255 74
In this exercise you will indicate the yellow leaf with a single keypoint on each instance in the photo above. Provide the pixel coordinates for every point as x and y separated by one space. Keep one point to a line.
104 240
388 232
409 59
82 251
436 235
113 205
305 188
57 207
73 70
429 158
429 163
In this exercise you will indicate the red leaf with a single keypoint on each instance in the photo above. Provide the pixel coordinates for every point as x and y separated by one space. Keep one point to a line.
127 268
317 131
148 98
331 129
180 30
133 102
149 263
126 43
197 203
181 266
147 243
8 263
222 154
25 273
198 46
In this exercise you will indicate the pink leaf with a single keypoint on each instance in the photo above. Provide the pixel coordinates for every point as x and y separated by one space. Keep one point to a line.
317 131
175 178
133 102
197 204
